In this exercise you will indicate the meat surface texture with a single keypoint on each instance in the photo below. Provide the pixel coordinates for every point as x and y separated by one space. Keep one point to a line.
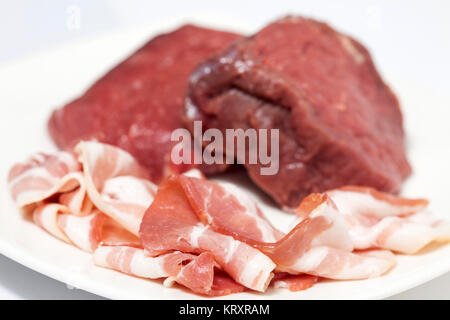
339 123
94 198
381 220
170 223
212 237
138 104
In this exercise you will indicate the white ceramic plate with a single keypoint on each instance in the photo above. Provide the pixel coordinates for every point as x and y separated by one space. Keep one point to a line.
32 87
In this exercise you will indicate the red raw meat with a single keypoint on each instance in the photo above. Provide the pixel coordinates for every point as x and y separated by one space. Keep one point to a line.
138 104
339 122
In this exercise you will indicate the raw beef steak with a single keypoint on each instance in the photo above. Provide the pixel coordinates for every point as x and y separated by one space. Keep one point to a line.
340 124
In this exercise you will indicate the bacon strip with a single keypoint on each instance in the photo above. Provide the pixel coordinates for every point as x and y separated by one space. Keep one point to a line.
46 217
73 218
294 282
171 224
77 201
136 262
116 184
113 234
83 232
190 227
319 245
228 210
42 176
368 201
194 272
64 195
380 220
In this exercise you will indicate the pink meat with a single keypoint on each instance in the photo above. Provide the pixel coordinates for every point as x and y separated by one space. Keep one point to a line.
171 224
228 210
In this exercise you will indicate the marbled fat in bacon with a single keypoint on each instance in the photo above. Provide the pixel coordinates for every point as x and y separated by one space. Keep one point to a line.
84 232
113 180
81 231
43 175
228 210
171 224
293 282
194 272
380 220
208 236
319 245
116 183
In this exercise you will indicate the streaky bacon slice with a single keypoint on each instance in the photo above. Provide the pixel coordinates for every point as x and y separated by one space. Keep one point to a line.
228 210
113 234
381 220
84 232
224 285
135 261
81 231
371 202
98 206
77 200
44 175
200 276
293 282
171 224
73 218
320 245
192 271
46 217
116 184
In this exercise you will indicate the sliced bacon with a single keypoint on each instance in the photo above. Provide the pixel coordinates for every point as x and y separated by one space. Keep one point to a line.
116 183
73 218
113 234
319 245
171 224
224 285
293 282
46 217
194 272
380 220
42 176
83 232
77 201
207 236
228 210
136 262
200 276
370 202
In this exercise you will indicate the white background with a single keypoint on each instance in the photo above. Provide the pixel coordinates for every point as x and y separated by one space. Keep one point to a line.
411 38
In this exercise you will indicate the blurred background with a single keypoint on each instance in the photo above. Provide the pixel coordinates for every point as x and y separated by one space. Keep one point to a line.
411 38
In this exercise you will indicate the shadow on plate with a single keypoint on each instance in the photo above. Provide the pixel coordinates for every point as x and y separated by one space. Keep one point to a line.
24 283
